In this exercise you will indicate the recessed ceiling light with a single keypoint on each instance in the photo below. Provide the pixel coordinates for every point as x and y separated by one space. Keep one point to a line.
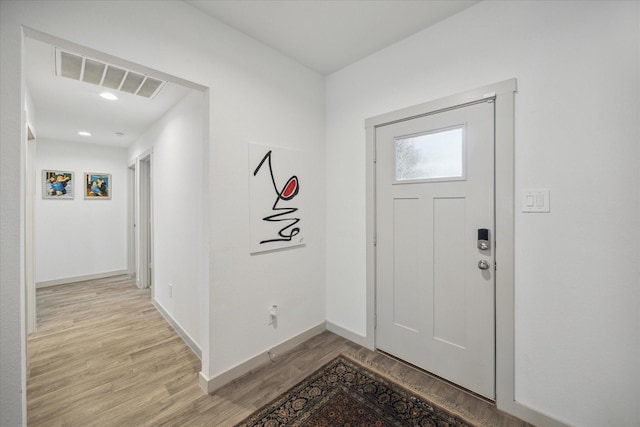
84 133
109 96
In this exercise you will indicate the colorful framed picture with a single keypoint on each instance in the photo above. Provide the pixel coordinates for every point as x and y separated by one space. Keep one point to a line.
57 184
97 185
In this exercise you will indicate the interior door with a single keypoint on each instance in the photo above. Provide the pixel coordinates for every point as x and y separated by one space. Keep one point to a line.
434 280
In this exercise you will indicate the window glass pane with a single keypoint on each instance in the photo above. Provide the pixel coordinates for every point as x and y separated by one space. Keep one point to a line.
437 155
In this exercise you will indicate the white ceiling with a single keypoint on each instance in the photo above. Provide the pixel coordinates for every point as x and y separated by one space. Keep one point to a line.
327 35
65 106
324 35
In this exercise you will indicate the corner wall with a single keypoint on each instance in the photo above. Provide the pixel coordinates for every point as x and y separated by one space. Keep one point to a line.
256 96
577 131
178 197
13 406
80 237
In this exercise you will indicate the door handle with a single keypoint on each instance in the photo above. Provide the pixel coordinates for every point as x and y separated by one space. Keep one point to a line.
483 265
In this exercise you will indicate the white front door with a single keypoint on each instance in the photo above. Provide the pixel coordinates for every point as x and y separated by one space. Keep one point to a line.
434 284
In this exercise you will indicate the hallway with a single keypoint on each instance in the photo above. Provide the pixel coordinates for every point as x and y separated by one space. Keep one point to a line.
104 356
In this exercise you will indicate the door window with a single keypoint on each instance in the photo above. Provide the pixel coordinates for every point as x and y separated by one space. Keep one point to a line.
432 156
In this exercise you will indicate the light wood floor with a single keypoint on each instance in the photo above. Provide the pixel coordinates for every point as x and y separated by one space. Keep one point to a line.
103 356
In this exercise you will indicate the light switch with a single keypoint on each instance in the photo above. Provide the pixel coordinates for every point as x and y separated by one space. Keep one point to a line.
535 200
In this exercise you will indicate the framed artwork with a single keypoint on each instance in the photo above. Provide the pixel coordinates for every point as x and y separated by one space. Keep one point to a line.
57 184
276 198
97 185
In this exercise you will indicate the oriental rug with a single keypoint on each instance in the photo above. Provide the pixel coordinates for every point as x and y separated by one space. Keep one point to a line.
345 393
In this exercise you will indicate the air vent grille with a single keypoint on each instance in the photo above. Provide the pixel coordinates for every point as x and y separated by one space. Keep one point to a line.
111 77
132 82
149 87
93 71
114 77
71 66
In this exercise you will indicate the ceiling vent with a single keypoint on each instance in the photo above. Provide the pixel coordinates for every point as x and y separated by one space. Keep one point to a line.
106 75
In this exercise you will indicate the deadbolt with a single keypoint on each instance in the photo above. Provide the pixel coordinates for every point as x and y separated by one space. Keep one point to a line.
483 239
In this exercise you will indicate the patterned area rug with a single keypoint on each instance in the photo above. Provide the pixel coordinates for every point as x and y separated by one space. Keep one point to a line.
345 393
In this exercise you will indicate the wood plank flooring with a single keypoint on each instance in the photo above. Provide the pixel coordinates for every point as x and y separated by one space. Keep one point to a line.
103 356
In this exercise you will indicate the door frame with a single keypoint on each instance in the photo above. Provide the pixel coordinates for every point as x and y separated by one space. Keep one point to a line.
31 317
132 251
143 220
504 93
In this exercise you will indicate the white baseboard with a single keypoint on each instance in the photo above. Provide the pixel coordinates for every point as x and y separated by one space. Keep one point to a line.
56 282
183 334
210 385
351 336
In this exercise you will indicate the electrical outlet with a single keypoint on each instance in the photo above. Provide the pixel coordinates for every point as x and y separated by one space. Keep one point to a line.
170 290
273 316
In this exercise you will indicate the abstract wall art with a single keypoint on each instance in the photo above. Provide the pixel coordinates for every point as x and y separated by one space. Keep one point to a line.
276 193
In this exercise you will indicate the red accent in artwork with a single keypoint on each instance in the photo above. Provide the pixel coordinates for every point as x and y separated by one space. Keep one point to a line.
291 188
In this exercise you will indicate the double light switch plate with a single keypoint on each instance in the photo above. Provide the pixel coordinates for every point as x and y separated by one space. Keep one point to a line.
535 200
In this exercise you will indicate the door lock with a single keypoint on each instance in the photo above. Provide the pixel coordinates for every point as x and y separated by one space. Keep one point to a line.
483 265
483 239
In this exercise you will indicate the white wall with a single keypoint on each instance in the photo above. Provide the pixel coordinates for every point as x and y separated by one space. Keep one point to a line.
256 95
80 237
178 197
12 166
577 132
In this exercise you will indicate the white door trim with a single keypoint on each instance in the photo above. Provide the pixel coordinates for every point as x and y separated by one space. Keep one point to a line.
29 233
504 211
144 219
